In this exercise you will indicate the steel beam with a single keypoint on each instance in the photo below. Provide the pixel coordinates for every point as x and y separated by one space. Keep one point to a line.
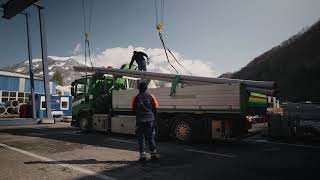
171 77
45 64
31 68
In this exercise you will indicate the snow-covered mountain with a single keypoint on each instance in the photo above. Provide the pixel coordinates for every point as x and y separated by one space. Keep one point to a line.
62 64
115 57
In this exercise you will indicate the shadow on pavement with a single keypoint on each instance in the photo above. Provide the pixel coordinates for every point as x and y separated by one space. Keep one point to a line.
71 135
83 161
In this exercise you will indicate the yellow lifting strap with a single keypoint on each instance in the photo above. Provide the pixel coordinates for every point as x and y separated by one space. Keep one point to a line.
159 27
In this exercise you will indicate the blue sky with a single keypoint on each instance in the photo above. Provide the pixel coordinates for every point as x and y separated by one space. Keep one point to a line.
225 33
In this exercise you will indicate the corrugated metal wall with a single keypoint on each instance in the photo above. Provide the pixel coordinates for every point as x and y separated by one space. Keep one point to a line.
9 83
14 88
38 86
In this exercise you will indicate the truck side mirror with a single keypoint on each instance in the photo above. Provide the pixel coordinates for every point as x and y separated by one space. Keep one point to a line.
72 91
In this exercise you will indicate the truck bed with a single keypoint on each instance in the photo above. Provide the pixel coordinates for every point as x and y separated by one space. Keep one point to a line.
218 98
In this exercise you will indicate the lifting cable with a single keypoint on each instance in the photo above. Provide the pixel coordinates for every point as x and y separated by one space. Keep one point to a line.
159 27
87 30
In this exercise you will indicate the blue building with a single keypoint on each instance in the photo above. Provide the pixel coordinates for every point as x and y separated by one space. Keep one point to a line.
61 106
16 86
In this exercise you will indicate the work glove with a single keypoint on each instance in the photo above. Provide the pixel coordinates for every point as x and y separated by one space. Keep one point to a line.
148 61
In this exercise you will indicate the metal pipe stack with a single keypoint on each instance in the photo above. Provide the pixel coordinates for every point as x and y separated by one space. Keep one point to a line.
266 87
10 108
3 110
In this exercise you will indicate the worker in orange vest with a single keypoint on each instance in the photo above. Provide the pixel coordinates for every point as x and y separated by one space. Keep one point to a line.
145 106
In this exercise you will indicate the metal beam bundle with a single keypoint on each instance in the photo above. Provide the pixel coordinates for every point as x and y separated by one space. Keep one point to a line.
266 87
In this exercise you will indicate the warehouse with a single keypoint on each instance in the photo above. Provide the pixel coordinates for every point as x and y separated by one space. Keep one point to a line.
16 86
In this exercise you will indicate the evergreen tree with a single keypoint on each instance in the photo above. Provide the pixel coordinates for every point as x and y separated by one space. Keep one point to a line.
57 77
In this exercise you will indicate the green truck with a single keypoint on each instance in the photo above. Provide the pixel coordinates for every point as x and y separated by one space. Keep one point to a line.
189 110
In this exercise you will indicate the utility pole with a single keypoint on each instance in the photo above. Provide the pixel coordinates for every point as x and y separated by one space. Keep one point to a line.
30 68
10 9
45 65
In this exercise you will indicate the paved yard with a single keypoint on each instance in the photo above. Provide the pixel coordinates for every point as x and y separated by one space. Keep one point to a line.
59 151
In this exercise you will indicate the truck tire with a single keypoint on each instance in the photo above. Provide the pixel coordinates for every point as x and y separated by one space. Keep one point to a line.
84 123
182 129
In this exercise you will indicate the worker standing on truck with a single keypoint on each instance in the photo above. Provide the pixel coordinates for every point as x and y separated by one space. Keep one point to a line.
145 106
138 56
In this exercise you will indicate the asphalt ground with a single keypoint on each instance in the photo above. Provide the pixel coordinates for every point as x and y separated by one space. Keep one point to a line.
58 151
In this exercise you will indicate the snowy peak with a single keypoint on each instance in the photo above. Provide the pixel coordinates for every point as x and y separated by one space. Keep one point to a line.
64 65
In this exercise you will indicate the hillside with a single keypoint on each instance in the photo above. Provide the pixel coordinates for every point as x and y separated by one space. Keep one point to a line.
294 65
63 65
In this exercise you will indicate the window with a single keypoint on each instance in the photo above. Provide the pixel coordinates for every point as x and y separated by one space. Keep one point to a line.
5 93
26 97
4 100
43 105
13 94
80 89
21 97
64 103
5 96
8 95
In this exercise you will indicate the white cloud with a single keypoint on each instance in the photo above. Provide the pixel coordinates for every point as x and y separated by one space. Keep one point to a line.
77 49
115 57
59 58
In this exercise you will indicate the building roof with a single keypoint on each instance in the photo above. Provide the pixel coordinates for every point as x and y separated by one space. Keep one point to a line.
20 75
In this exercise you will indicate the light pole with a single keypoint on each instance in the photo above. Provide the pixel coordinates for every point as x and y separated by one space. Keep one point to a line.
44 53
30 68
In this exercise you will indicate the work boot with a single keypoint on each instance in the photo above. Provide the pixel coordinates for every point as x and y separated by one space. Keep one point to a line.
154 156
143 157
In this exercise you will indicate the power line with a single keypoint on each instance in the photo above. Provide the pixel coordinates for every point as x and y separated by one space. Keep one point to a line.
87 49
159 26
90 16
165 51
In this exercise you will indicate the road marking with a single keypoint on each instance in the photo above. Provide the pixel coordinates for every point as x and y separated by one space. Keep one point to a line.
82 170
212 153
279 143
120 140
71 133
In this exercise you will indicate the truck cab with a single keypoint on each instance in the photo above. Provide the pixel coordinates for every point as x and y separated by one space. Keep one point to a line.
93 95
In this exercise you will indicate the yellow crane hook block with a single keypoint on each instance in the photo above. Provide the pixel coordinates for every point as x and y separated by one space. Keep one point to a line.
159 27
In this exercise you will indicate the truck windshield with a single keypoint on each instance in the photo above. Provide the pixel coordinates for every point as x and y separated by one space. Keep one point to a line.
79 89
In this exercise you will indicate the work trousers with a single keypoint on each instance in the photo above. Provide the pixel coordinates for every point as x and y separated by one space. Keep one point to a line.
146 131
142 67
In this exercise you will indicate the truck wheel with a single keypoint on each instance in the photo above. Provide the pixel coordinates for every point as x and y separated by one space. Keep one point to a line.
182 129
84 123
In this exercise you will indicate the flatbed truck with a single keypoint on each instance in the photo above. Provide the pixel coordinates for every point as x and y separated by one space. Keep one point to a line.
192 110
